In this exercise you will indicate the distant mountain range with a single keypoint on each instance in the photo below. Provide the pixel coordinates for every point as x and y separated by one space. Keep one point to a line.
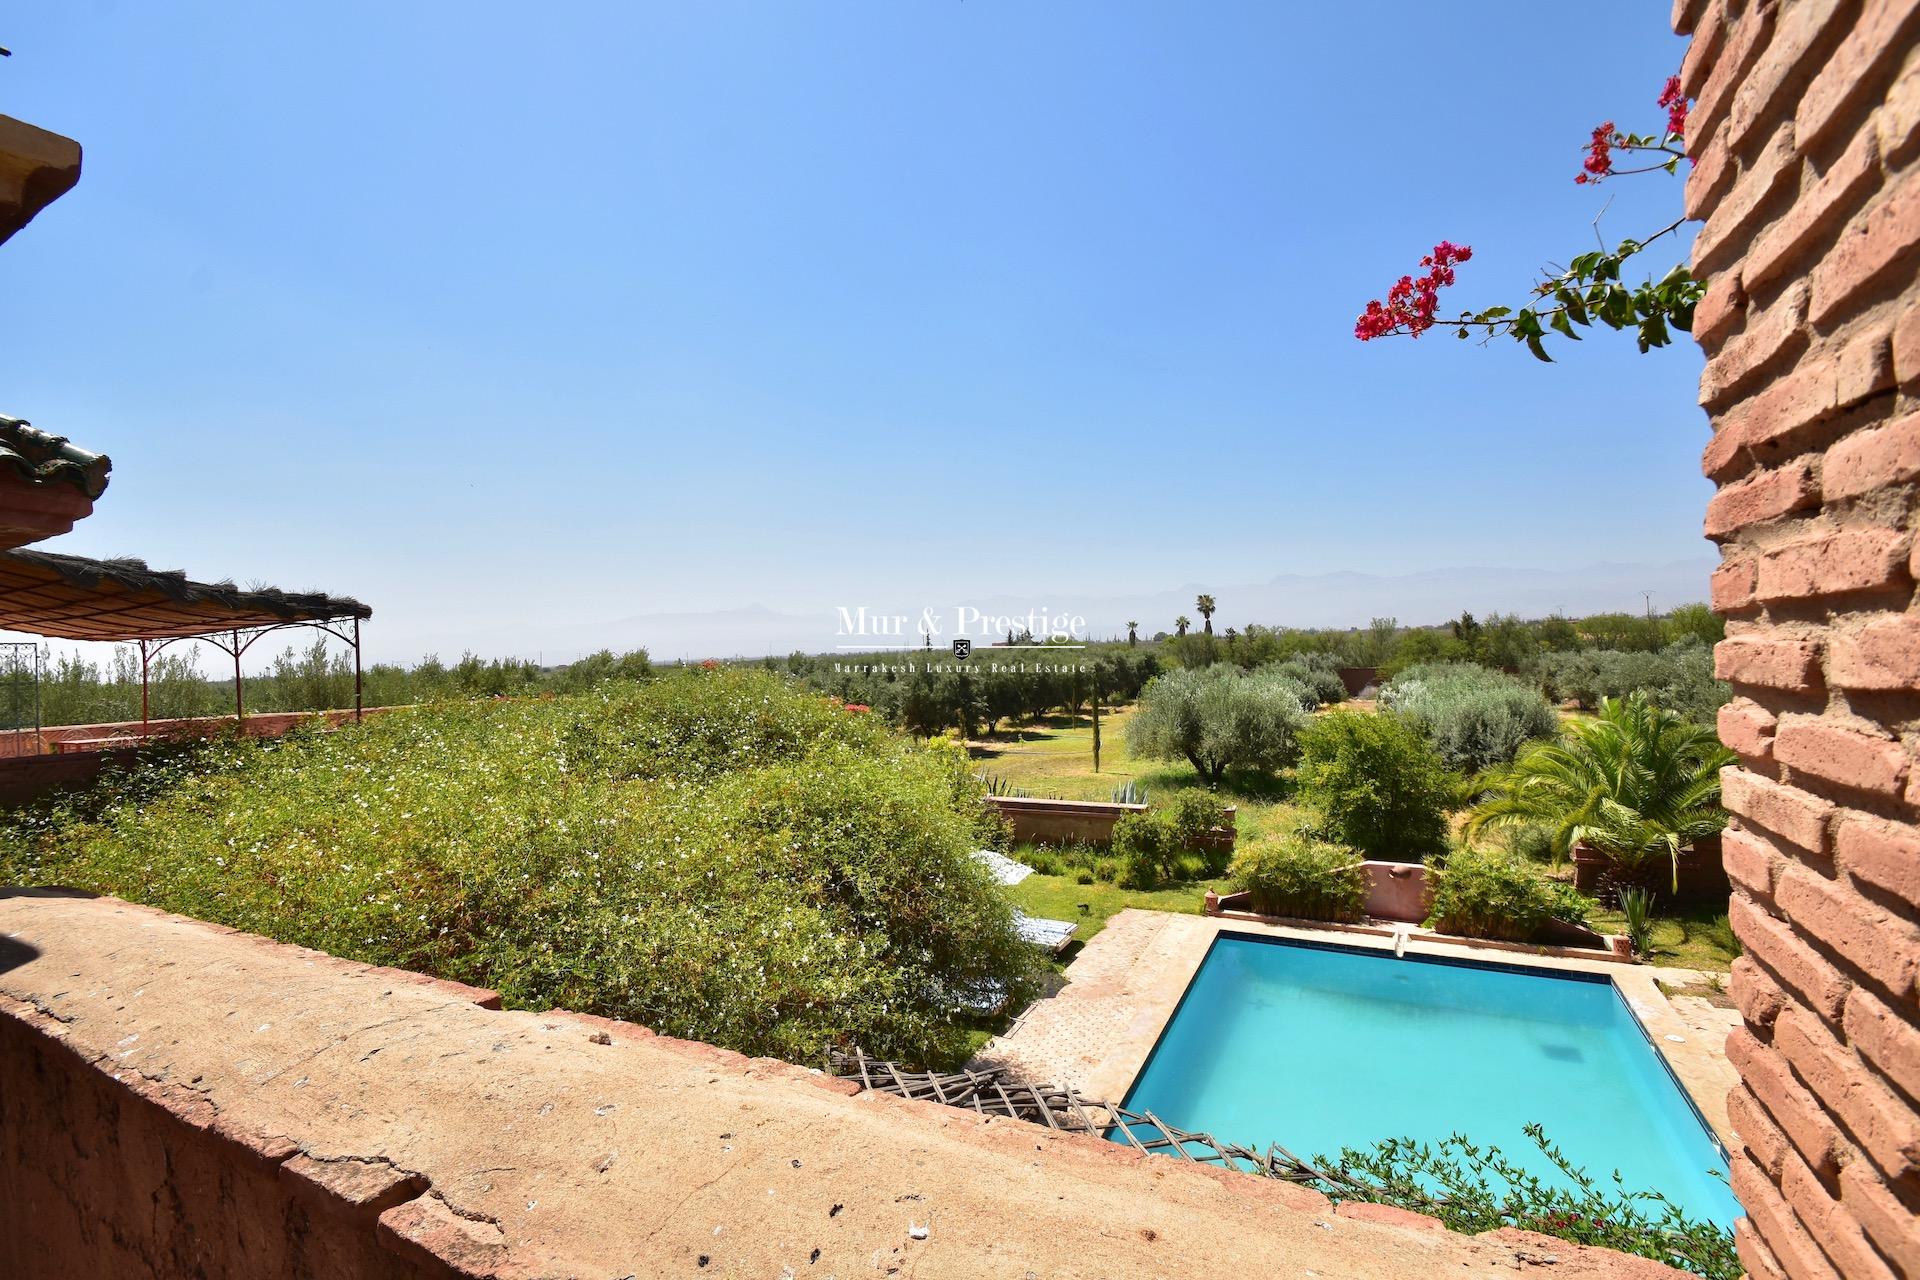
1292 600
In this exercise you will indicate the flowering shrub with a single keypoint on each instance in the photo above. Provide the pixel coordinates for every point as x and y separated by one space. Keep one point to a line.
1588 290
714 855
1412 301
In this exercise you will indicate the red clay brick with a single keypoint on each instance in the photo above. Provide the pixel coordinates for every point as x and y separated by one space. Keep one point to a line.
1757 995
1884 854
1885 1129
1795 964
1731 586
1724 302
1772 664
1746 729
1906 344
1713 172
1873 459
1877 943
1883 237
1891 1225
1800 818
1786 65
1833 1227
1787 1101
1758 1134
1687 16
1745 40
1887 1039
1749 861
1897 123
1820 211
1839 755
1754 1254
1796 1251
1771 335
1769 418
1883 654
1865 367
1834 564
1736 216
1852 72
1765 496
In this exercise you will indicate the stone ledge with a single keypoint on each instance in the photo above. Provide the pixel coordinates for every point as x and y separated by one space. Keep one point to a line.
365 1114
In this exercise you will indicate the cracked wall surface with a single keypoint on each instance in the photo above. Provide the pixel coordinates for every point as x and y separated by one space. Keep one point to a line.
178 1099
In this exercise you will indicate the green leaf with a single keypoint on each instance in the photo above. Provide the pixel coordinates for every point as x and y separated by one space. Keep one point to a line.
1538 348
1563 325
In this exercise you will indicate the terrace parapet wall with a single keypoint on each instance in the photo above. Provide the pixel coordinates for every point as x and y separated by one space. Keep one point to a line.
178 1099
1806 134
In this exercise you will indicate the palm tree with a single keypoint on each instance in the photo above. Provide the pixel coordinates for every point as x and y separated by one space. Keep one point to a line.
1133 634
1180 624
1206 607
1231 636
1636 784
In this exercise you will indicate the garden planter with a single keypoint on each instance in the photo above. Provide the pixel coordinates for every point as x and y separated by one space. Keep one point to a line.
1702 878
1082 821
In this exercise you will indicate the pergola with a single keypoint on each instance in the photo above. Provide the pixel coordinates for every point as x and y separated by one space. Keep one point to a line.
124 601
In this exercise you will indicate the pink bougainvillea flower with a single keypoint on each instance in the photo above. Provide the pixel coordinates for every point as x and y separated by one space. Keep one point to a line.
1412 301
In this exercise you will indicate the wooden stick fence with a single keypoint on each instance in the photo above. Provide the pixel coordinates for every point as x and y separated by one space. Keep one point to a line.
998 1092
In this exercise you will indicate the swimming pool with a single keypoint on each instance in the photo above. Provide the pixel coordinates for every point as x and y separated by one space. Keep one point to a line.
1321 1047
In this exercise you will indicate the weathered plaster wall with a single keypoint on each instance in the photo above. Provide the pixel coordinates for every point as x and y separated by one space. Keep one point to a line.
182 1100
1806 132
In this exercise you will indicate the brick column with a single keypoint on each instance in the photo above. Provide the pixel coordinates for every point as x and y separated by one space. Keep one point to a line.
1806 130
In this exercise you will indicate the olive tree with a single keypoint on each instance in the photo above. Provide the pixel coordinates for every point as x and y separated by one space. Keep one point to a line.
1217 719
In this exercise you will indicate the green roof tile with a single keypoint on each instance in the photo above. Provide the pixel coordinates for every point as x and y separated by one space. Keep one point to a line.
47 459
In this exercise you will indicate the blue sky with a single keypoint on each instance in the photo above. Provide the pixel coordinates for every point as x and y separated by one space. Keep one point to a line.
511 315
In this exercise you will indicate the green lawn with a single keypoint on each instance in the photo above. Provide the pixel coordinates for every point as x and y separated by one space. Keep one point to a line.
1054 759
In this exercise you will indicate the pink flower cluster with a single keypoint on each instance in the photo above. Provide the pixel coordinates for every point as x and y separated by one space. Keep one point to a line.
1599 162
1411 302
1675 102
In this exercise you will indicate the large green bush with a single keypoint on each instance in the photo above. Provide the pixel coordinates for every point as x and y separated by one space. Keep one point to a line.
1475 718
1678 678
1486 895
1217 719
1294 875
1375 785
715 855
1169 840
1638 784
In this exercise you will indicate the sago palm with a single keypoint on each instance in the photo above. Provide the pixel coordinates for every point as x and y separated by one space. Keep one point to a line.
1636 784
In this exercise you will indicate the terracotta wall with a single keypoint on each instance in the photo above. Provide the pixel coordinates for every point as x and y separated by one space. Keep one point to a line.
1806 132
1080 821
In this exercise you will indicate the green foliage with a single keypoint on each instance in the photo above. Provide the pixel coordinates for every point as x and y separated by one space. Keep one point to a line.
1678 677
1636 904
715 855
1320 681
1376 785
1474 717
1218 719
1473 1189
1590 290
1487 895
1637 784
1156 846
1294 875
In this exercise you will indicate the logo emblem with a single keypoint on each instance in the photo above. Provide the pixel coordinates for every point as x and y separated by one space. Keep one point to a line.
961 648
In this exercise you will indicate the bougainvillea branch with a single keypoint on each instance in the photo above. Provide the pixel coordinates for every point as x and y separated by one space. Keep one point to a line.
1589 290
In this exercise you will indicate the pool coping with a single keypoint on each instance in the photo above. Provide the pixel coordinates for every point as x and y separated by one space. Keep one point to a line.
1146 992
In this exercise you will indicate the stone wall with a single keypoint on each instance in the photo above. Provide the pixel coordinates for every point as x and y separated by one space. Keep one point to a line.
180 1100
1806 130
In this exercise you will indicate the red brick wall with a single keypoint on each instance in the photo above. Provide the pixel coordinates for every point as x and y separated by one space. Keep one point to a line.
1806 130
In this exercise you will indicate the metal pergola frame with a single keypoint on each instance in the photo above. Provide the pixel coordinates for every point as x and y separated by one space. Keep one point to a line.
235 642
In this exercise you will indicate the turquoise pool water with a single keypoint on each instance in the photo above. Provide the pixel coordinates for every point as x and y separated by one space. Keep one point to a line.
1322 1048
